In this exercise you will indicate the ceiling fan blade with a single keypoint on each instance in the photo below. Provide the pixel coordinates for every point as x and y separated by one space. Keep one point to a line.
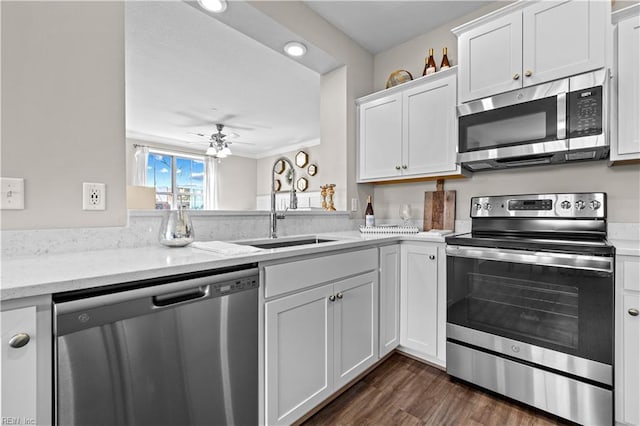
198 134
239 143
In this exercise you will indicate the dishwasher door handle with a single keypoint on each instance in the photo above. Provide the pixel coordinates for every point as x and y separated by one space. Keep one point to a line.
176 297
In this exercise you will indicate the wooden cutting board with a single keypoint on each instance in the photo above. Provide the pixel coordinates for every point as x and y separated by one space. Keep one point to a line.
439 208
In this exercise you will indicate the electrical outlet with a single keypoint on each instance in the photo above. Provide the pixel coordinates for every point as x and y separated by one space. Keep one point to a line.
94 196
354 204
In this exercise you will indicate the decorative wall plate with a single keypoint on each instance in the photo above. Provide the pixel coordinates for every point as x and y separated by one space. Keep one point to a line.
312 170
302 158
302 184
277 185
279 167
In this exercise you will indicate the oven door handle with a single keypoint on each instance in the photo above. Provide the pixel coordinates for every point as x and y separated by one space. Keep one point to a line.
558 260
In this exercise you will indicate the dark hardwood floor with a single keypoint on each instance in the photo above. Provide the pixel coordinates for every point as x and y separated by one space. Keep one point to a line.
403 391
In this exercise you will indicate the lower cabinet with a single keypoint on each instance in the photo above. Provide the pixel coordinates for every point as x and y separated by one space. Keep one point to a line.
389 298
316 341
26 361
423 301
627 367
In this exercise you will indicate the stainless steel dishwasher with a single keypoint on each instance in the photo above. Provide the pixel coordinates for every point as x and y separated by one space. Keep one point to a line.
175 351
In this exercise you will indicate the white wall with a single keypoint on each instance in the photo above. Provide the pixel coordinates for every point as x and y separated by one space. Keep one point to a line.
63 120
237 185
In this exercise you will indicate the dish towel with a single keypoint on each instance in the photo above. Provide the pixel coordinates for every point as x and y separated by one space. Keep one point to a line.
226 249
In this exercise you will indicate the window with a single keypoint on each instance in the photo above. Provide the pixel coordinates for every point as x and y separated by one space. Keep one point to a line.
178 180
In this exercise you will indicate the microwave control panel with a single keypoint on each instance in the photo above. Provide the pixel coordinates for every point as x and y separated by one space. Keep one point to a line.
585 112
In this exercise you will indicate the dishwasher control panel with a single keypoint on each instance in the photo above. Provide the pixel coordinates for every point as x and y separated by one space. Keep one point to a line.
233 286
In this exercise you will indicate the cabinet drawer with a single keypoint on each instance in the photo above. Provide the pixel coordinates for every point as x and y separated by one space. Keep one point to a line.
629 271
293 276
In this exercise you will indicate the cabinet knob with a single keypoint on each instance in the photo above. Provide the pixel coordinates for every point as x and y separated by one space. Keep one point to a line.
528 73
332 298
19 340
432 257
633 312
339 295
516 76
404 166
397 167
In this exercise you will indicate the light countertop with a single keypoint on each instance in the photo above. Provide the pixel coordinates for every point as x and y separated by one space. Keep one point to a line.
54 273
626 247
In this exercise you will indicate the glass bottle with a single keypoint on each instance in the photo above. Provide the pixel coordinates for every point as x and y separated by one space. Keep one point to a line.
445 60
429 64
369 219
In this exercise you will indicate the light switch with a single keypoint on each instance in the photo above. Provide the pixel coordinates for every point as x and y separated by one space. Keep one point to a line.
11 193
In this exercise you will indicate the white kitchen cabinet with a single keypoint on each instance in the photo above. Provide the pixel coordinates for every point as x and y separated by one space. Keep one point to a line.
26 370
626 141
422 301
409 131
627 381
318 340
389 298
530 43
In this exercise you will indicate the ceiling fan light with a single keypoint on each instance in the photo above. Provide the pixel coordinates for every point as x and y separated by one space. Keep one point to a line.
222 154
211 151
215 6
226 151
295 49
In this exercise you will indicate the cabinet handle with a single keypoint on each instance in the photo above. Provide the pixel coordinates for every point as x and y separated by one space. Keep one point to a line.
19 340
633 312
397 167
516 76
431 257
339 295
528 73
404 166
332 298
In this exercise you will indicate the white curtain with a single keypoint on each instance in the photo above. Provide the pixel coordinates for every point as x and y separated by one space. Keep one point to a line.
210 183
140 163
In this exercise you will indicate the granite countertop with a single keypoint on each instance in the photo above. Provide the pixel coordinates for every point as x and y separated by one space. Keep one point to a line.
54 273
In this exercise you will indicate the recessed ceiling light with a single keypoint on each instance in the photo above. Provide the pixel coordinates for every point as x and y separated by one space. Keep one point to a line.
215 6
295 48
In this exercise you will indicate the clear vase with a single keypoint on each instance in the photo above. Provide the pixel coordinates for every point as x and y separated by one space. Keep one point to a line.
176 229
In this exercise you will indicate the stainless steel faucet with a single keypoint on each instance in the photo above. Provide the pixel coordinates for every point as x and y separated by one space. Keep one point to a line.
293 202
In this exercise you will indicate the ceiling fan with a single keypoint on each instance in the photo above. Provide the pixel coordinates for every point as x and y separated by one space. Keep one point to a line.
218 143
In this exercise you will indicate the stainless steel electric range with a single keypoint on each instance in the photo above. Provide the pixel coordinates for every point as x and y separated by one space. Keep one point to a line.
530 296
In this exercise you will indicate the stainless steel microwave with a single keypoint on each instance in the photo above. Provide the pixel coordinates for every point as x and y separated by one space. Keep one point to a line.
563 120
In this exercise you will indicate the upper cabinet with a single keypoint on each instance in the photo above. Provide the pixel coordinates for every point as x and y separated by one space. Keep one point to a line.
409 131
625 143
529 43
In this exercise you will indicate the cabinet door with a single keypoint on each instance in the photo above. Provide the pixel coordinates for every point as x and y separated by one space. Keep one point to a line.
628 143
389 298
19 366
380 137
631 361
491 58
356 326
299 353
419 298
562 38
430 131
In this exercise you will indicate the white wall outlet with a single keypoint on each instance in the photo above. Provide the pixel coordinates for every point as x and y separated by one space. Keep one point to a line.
354 204
94 196
11 193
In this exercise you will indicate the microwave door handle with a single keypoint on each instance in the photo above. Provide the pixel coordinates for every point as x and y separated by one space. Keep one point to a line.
558 260
562 116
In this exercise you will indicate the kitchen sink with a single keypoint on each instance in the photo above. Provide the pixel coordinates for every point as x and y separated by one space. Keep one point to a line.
279 243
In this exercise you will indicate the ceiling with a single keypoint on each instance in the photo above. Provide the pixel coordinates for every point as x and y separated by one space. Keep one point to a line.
379 25
187 69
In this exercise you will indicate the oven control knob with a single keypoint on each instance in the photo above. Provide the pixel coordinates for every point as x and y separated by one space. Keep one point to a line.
594 204
565 205
478 206
580 205
487 206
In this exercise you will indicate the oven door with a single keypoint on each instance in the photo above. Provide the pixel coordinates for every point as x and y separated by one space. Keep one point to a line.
522 127
551 309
